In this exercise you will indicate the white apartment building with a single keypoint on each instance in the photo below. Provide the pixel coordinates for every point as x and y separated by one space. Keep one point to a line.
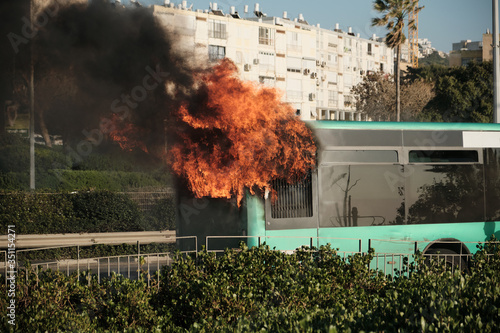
314 68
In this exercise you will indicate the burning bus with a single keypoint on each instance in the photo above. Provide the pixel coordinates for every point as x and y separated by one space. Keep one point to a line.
394 187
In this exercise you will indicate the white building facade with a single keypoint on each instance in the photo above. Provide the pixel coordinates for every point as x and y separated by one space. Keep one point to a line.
314 68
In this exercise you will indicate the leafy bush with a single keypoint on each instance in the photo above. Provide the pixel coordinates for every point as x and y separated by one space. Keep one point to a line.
104 180
163 215
104 211
91 211
107 168
258 289
36 213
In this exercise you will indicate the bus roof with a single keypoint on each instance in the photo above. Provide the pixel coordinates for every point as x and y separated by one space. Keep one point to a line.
420 126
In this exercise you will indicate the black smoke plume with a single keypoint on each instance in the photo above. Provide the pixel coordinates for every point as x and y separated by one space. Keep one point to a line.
97 61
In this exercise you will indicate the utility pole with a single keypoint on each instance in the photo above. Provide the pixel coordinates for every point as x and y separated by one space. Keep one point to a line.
496 67
32 108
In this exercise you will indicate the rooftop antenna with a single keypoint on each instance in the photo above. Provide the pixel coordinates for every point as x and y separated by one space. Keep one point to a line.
257 11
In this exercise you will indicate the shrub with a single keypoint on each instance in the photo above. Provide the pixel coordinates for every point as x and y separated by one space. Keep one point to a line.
91 211
163 215
104 211
36 213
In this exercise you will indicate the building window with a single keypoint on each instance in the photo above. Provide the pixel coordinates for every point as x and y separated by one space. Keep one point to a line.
333 98
266 36
370 49
267 61
347 45
332 58
216 52
217 29
267 80
293 42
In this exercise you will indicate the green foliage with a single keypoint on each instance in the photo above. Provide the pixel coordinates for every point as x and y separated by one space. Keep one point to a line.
261 290
242 283
162 216
104 180
463 94
36 213
105 169
92 211
434 59
51 301
104 211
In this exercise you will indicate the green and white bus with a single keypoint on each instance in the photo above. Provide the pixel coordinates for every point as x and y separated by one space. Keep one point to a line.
394 187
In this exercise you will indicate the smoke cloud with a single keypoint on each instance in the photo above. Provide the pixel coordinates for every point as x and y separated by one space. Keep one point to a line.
96 60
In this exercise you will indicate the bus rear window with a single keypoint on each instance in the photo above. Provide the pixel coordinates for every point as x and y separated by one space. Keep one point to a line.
293 200
444 156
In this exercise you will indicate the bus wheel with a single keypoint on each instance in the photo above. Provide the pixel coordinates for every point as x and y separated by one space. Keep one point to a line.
452 259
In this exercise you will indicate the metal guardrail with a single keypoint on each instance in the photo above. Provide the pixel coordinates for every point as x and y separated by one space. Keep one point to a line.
27 241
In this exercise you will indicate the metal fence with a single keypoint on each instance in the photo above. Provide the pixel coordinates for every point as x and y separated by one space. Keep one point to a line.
149 265
132 266
147 200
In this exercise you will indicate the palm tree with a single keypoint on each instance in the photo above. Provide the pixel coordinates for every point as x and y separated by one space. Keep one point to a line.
394 16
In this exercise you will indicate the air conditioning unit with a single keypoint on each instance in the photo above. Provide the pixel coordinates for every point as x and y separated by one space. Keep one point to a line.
323 64
247 67
318 82
312 96
314 75
307 71
256 61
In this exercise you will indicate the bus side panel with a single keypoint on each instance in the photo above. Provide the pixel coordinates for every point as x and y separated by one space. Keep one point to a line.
289 240
405 239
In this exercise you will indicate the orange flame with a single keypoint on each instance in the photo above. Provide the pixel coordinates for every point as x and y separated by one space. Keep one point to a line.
235 134
127 135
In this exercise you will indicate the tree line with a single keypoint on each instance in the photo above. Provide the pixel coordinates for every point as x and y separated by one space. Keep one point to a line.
431 93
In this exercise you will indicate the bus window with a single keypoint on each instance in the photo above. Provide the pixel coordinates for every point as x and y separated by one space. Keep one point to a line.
359 156
360 195
443 156
492 176
292 200
444 193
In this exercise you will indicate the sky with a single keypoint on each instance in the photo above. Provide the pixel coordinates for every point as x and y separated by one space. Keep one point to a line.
443 22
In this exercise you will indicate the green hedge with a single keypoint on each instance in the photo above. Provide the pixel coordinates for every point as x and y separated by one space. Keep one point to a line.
78 180
106 168
260 290
91 211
